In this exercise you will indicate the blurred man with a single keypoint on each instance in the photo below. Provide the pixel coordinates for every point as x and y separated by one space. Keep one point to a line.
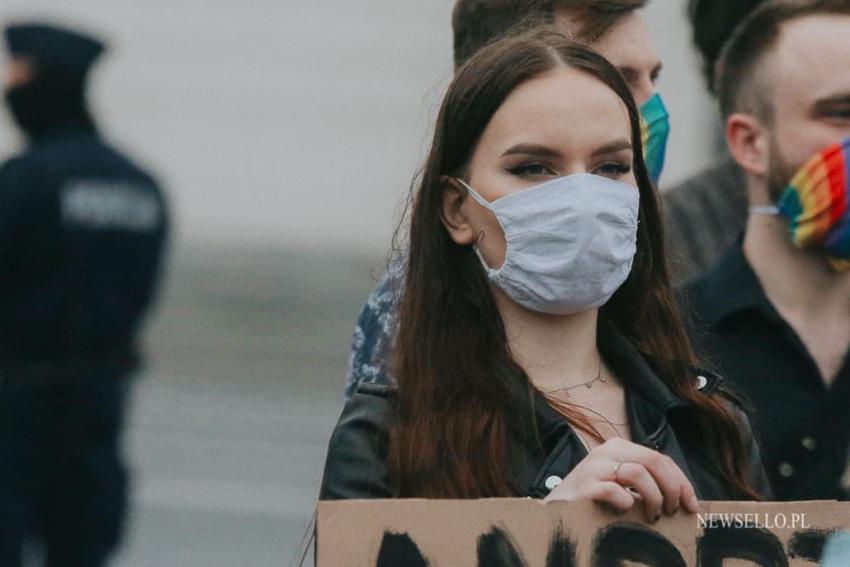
774 313
82 230
616 29
707 212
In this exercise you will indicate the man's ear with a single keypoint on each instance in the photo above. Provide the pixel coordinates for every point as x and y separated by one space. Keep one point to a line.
747 141
451 211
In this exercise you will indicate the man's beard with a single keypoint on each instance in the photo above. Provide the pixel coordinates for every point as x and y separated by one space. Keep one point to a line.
779 172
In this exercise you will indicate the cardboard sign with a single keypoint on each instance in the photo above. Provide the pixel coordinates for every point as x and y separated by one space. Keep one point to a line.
530 533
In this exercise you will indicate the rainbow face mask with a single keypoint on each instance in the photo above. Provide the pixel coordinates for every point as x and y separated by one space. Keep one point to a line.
817 204
654 130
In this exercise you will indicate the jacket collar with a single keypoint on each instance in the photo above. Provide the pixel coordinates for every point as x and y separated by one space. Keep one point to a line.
65 131
729 288
648 398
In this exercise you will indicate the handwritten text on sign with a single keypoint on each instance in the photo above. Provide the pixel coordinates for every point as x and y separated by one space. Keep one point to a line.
528 533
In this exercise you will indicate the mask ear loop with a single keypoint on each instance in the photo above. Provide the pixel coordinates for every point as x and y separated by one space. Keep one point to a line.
481 200
769 210
474 194
477 250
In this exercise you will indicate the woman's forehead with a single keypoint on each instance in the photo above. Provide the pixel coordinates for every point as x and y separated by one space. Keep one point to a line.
567 107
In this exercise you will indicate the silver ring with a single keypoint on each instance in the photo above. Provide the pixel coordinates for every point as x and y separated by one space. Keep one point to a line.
617 468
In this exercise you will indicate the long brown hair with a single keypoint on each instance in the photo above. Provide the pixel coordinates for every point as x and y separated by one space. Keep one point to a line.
457 410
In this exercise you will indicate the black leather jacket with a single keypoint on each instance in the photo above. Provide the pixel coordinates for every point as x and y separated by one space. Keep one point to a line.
355 466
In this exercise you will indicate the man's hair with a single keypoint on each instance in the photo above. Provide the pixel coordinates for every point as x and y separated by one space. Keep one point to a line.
712 22
739 84
478 22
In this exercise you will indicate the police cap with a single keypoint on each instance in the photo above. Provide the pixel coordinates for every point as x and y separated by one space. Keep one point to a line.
53 48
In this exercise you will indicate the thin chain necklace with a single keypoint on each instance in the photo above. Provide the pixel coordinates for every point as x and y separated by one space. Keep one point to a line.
589 384
615 427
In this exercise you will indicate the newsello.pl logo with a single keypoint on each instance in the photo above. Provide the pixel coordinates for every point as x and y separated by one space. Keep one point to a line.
768 521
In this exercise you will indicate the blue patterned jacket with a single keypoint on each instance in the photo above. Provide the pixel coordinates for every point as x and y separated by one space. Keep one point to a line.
375 332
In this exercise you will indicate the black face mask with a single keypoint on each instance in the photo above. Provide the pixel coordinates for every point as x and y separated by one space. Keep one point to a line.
47 104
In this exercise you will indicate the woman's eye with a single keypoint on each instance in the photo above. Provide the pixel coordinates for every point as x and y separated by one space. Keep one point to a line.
613 169
532 170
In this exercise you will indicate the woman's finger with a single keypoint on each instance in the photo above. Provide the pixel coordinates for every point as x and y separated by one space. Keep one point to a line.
685 493
612 494
688 497
667 476
673 493
637 477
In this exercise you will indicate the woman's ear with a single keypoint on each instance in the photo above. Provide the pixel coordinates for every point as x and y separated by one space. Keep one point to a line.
451 212
748 143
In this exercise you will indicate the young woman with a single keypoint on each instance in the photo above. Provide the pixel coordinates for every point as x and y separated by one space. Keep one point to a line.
539 351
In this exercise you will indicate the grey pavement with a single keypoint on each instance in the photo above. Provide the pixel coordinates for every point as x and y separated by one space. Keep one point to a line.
230 421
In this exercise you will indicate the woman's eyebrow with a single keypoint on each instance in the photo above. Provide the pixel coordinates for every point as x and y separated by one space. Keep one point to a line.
533 150
545 151
615 146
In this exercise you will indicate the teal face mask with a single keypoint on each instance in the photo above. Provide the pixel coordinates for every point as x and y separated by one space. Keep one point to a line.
654 130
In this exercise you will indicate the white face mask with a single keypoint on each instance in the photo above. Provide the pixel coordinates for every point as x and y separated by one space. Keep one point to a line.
570 242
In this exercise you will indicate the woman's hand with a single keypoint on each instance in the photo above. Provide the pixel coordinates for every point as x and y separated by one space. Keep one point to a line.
619 473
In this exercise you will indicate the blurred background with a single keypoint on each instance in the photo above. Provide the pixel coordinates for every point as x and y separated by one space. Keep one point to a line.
287 134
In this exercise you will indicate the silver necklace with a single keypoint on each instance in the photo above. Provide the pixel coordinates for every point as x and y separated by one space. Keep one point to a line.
614 426
589 384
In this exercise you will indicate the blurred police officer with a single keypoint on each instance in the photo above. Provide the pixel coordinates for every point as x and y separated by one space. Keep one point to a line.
82 230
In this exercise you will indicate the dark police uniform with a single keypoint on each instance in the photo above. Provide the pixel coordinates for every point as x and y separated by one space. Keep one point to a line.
804 424
82 233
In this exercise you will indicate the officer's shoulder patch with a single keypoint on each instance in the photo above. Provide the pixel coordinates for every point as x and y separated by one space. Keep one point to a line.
100 204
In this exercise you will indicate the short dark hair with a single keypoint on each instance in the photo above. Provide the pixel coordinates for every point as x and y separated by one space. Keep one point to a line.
478 22
738 83
712 22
